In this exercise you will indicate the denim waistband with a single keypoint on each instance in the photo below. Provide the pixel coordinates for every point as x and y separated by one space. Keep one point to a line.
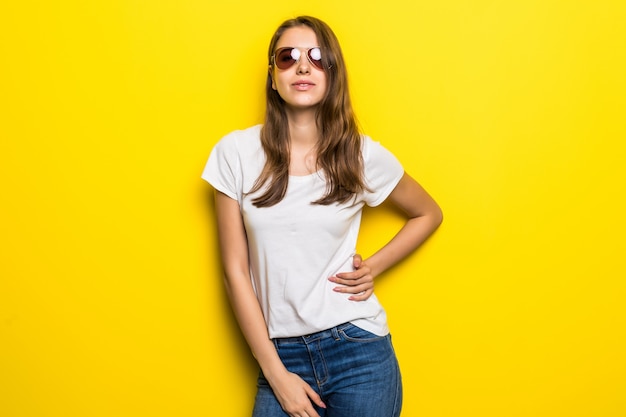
333 332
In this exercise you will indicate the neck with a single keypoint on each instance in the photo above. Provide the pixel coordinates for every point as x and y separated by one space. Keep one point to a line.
303 136
303 128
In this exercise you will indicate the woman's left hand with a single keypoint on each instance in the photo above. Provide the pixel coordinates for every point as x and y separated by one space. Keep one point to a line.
359 282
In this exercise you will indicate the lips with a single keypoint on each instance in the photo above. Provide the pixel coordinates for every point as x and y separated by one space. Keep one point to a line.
303 84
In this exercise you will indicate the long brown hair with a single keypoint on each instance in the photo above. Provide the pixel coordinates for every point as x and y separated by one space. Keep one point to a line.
339 148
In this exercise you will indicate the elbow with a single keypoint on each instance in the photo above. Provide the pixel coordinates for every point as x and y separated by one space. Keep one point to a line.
435 218
438 217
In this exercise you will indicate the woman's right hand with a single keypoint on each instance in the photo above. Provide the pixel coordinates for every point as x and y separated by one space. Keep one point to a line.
295 396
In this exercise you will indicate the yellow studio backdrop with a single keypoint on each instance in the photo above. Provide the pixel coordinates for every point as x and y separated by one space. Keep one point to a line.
511 113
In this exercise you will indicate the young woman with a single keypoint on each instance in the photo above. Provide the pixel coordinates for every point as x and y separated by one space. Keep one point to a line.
289 196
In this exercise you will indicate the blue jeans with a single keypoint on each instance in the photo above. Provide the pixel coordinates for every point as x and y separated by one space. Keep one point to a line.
354 371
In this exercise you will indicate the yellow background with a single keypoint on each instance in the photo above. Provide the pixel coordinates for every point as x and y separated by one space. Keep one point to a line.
511 113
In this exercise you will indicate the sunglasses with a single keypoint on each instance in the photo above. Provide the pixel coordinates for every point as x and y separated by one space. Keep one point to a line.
284 58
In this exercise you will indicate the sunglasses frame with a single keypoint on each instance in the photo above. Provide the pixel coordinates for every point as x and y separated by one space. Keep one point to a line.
303 51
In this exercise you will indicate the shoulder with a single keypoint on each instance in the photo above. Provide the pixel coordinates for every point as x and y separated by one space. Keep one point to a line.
234 160
241 139
237 148
382 171
375 153
239 145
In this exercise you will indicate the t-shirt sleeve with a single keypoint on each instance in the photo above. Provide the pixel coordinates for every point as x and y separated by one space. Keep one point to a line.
223 169
383 171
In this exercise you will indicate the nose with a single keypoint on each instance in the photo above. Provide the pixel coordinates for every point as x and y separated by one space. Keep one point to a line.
304 66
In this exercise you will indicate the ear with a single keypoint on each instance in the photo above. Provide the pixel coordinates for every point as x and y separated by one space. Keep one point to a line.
269 70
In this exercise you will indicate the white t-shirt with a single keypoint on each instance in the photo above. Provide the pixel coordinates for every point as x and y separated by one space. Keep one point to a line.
295 246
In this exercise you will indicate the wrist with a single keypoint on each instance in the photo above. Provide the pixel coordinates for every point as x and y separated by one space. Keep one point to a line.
273 371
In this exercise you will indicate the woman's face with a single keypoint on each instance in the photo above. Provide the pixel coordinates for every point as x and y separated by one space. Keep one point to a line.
303 85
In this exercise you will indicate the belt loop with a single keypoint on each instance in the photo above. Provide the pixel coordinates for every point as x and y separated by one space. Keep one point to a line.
275 343
335 333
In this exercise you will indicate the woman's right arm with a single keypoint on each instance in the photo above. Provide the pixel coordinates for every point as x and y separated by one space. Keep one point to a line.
293 393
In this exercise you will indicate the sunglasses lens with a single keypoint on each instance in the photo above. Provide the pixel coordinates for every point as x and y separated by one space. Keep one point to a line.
315 56
286 57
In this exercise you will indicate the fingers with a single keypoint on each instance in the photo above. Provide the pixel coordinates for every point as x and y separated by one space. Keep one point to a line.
297 397
359 282
361 270
308 410
315 399
358 277
352 284
361 296
352 287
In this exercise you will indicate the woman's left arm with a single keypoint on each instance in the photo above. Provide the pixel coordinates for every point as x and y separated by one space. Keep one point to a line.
423 218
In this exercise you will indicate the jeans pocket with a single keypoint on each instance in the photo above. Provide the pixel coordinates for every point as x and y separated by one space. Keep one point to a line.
354 333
